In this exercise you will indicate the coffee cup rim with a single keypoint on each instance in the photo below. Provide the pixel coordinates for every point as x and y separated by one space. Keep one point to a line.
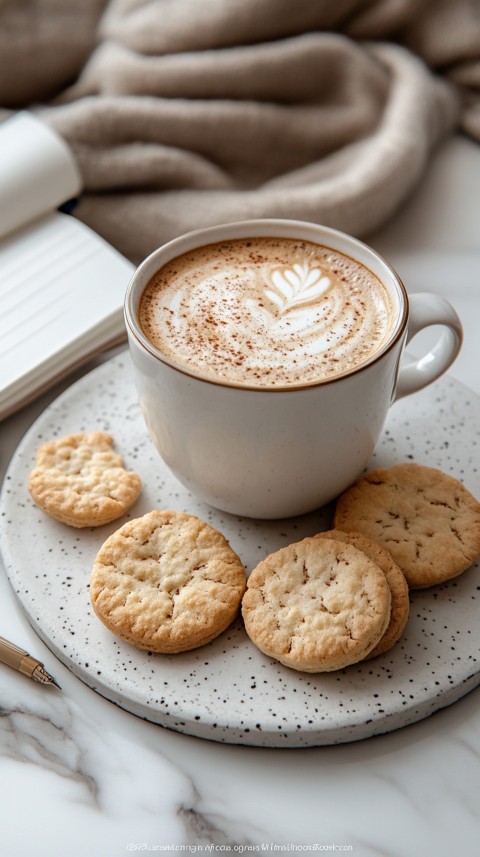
265 227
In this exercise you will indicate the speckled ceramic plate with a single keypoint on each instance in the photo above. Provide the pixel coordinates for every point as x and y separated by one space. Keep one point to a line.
228 690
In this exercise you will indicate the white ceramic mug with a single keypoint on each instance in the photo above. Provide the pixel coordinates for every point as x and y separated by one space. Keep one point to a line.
280 452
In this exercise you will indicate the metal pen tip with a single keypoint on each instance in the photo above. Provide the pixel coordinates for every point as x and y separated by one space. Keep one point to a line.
40 674
18 659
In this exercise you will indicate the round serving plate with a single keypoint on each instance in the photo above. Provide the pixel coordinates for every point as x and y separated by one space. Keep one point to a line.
228 690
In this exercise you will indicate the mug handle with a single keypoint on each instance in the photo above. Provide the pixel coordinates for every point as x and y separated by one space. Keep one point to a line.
425 310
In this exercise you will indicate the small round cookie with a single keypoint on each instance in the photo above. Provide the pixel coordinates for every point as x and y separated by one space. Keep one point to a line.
79 480
317 605
167 582
400 606
428 520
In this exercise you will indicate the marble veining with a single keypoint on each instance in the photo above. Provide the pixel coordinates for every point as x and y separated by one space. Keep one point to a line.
107 778
104 773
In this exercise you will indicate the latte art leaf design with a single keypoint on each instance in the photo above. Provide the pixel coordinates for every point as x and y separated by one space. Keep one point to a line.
296 286
266 312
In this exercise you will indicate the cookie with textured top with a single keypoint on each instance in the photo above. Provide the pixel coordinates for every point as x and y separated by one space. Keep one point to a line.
400 604
317 605
428 520
167 582
81 481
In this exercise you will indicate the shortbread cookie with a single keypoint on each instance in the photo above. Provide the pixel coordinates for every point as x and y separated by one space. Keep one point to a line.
317 605
81 481
167 582
400 606
428 520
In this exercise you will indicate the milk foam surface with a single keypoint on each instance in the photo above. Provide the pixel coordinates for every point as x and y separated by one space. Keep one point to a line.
266 312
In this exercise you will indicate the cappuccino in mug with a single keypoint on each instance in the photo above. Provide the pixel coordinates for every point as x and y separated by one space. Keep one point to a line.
266 355
267 312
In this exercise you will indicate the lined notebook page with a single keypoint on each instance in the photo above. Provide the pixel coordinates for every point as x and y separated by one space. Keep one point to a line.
61 298
38 171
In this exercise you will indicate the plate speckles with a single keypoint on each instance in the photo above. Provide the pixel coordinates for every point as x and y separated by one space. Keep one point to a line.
228 690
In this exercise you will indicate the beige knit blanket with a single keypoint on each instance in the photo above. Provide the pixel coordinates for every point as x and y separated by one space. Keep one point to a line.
185 113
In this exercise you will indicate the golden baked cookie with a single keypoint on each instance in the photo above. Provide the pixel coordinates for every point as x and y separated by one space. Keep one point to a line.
400 604
79 480
428 520
167 582
317 605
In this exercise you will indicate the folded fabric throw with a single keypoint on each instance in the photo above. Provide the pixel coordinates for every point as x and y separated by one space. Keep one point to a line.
186 113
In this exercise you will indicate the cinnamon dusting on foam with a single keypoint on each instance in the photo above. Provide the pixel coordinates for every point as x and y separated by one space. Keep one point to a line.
266 312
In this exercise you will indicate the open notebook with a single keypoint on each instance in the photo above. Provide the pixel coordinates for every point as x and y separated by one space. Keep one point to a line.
61 285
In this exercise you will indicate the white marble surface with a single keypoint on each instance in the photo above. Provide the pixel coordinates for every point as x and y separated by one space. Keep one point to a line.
79 776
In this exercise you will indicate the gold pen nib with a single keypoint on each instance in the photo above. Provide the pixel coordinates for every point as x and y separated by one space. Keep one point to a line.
18 659
40 674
